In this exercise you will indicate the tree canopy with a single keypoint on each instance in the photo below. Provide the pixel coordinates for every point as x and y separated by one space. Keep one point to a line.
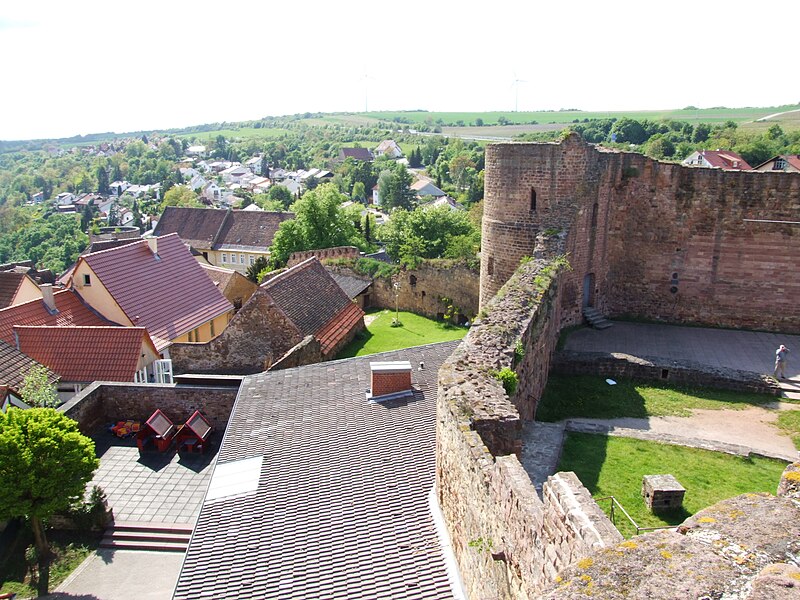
45 464
36 390
319 222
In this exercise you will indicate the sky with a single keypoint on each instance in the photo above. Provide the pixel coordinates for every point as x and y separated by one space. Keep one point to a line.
79 67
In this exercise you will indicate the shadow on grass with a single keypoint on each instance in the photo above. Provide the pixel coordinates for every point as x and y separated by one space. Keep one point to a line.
589 397
354 347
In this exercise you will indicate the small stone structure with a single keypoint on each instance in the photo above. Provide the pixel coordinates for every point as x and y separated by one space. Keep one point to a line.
662 492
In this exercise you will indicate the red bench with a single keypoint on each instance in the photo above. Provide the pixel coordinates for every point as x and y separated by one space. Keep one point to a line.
194 435
158 430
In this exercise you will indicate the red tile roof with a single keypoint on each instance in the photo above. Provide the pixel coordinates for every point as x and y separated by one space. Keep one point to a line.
70 311
168 293
9 284
725 159
338 327
84 354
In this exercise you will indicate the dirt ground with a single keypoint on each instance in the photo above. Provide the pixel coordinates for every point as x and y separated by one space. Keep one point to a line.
753 427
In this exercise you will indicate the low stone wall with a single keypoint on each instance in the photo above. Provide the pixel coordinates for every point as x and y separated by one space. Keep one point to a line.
307 352
105 402
508 543
295 258
648 368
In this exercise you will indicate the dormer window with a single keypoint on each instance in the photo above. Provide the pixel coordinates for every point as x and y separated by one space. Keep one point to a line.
780 164
87 279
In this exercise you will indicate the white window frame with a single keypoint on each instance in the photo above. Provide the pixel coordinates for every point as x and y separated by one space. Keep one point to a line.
224 258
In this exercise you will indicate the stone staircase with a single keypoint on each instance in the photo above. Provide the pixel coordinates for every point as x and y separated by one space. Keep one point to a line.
790 388
134 535
595 318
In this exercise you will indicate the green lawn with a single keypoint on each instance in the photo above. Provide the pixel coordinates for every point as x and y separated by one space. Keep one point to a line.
591 397
70 548
380 336
612 466
789 421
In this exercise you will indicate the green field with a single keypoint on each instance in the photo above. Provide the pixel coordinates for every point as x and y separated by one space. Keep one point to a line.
613 466
416 330
244 133
707 115
591 397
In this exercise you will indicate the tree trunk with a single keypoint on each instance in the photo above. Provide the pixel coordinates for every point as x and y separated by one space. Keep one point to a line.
43 549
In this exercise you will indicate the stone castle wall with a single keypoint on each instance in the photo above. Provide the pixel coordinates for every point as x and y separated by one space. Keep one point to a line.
508 542
422 289
644 238
339 252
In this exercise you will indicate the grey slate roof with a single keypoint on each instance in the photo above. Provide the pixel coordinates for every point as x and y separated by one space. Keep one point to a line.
14 365
340 507
351 285
308 295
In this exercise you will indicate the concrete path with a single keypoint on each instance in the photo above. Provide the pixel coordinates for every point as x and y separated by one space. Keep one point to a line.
744 350
123 575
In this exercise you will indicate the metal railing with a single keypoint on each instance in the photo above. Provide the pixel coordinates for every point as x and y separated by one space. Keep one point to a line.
615 502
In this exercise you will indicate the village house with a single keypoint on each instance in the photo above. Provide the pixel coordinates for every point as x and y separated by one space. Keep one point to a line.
82 355
155 284
790 163
722 159
389 148
362 154
233 239
16 288
234 286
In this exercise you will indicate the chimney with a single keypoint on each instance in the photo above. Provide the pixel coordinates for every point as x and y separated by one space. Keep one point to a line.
153 243
390 380
48 298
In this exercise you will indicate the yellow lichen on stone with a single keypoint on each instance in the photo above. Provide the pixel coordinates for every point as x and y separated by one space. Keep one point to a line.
735 514
559 579
666 554
795 576
792 475
629 544
706 520
585 563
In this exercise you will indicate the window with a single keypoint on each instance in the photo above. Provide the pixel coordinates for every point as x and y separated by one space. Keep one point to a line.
533 200
241 259
779 165
87 279
252 259
224 258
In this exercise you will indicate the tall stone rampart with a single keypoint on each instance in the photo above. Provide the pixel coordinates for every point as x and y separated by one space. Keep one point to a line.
647 239
508 542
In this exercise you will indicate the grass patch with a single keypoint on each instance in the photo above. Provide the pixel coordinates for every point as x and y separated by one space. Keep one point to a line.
789 422
70 547
590 396
380 336
611 466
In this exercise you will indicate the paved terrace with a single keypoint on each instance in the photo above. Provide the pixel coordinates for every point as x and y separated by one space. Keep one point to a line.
153 488
745 350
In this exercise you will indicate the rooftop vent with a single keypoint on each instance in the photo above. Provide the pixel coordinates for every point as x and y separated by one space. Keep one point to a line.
391 379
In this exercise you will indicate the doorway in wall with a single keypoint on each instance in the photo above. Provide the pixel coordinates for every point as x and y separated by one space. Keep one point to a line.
588 290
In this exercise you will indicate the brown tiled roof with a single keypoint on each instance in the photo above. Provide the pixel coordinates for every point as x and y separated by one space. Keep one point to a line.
249 230
9 284
197 227
338 327
70 311
221 229
308 295
356 153
169 293
14 365
84 354
339 508
220 276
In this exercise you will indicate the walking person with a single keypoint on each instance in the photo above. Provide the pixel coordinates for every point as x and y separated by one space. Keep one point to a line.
780 361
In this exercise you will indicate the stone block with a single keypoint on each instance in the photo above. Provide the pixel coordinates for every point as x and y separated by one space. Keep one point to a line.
662 492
